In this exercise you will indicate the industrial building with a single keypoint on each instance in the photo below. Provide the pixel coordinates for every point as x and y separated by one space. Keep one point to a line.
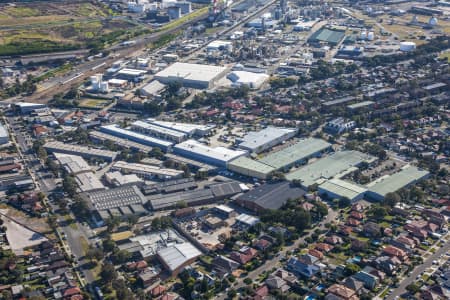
407 176
147 171
218 156
243 78
337 188
170 186
296 154
153 89
177 256
339 163
191 130
196 165
83 151
158 131
118 179
249 167
209 194
220 46
269 196
339 125
191 75
101 136
28 107
115 130
327 35
259 141
117 201
88 182
4 136
72 164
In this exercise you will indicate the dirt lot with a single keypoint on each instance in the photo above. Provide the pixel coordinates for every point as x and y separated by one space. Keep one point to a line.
37 224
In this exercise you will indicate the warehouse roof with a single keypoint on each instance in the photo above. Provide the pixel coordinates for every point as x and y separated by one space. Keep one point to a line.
340 101
188 128
255 139
329 166
343 188
56 146
115 129
191 71
297 152
88 182
247 219
72 164
327 35
120 141
250 164
388 184
158 129
177 255
116 197
142 168
218 153
272 195
190 162
153 88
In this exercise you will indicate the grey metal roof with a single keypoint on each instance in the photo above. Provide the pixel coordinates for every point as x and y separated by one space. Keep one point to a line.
272 195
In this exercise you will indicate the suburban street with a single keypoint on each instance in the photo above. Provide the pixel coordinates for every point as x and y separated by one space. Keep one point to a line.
427 263
274 262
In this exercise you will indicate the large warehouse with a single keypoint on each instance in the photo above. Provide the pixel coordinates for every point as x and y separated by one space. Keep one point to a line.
269 196
329 167
115 130
83 151
4 136
249 79
218 156
259 141
249 167
296 154
338 188
187 128
158 131
409 175
191 75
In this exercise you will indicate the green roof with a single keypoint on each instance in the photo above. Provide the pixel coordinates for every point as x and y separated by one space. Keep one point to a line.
295 153
248 163
343 188
327 35
394 182
329 166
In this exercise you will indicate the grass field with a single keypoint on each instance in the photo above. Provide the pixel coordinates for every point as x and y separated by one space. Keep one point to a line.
445 55
40 27
94 103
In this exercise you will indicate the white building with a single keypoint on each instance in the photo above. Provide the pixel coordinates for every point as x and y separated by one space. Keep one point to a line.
218 156
4 136
98 85
250 79
259 141
147 171
191 75
220 46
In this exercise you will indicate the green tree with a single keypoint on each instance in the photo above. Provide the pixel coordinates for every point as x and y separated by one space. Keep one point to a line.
69 185
108 273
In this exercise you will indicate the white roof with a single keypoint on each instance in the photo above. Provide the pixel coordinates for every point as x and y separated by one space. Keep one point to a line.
182 127
153 88
113 128
116 81
218 44
88 182
250 78
247 219
217 153
132 72
142 168
72 163
224 208
191 71
158 129
255 139
121 179
343 188
29 104
3 132
177 255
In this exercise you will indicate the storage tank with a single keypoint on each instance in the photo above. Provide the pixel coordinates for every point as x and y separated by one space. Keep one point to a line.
433 21
371 36
407 46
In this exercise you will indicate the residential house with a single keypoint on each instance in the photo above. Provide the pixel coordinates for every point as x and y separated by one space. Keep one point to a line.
395 252
370 281
224 265
354 284
244 255
300 268
371 229
334 240
388 264
342 292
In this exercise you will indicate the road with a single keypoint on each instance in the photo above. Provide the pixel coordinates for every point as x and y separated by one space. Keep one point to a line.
274 262
427 263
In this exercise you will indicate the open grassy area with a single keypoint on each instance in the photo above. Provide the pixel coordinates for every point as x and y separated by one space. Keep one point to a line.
94 103
41 27
445 55
84 244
